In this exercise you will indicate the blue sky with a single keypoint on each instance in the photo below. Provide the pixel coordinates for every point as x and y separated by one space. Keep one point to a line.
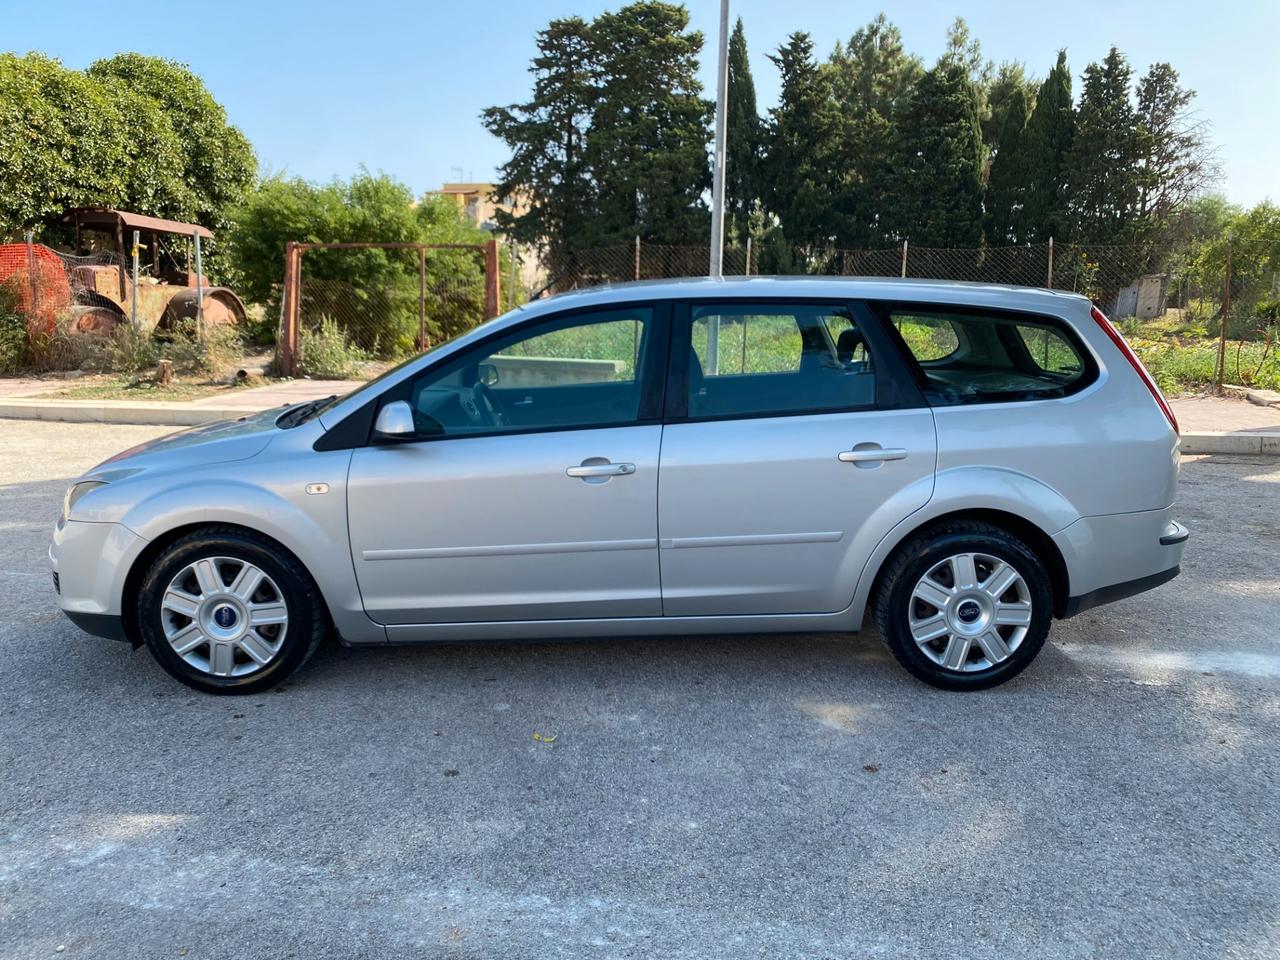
321 87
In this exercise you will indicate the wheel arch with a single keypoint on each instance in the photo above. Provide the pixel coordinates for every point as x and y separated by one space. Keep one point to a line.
1037 539
154 548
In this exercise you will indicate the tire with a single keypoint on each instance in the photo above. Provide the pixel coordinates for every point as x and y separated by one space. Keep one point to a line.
255 632
970 607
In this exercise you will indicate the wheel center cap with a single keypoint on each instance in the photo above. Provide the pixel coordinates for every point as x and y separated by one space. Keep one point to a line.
969 612
226 616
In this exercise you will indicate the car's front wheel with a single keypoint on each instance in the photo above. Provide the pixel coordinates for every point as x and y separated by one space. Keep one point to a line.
964 606
226 610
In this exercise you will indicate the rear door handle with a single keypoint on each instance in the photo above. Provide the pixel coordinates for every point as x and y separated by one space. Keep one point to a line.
594 470
871 455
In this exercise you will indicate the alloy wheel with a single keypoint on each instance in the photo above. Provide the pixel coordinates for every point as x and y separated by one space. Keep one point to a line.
224 616
970 612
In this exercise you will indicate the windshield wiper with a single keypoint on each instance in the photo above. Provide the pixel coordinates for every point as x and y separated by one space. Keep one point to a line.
303 412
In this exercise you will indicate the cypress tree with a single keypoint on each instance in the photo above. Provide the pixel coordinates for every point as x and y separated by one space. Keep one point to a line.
870 77
800 164
939 158
744 137
1102 167
1043 150
1006 185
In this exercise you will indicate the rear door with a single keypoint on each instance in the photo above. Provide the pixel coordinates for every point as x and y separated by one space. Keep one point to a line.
789 424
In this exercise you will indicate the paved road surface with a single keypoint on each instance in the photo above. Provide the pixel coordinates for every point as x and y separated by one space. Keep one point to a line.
727 797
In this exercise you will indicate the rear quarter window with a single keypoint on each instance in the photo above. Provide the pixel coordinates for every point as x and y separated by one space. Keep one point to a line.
974 356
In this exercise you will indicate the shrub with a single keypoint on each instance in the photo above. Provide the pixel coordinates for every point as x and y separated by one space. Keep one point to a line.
219 352
327 353
13 331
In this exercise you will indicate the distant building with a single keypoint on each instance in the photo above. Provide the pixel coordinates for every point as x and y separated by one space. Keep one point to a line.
476 202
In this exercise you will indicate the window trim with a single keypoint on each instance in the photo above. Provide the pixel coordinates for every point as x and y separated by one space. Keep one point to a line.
895 385
651 382
884 310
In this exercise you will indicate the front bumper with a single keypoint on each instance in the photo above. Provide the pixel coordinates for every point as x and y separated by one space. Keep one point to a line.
1112 557
90 562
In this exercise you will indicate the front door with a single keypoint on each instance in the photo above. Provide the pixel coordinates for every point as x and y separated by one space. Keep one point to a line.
782 446
531 490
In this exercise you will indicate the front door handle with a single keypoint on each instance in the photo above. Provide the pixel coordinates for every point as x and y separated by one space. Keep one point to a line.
871 455
598 468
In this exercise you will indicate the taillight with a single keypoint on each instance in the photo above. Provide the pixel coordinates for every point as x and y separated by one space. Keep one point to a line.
1134 362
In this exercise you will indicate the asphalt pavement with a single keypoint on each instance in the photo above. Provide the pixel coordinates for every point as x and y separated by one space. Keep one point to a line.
797 797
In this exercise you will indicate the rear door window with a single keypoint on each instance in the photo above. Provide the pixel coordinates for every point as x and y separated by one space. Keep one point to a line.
979 357
762 359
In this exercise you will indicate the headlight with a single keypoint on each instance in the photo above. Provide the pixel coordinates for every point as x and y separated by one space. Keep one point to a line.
75 493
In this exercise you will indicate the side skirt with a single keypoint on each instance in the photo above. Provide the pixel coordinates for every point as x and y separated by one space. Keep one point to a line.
514 630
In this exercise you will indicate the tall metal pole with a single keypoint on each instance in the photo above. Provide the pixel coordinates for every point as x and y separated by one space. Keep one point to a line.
133 307
199 291
716 268
1226 311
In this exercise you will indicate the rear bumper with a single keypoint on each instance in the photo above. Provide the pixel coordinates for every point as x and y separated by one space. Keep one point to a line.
1112 557
1117 591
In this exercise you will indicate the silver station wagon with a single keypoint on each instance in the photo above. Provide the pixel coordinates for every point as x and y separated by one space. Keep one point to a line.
963 463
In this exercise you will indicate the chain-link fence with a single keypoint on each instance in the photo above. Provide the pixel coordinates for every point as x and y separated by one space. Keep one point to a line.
1110 275
347 305
1208 312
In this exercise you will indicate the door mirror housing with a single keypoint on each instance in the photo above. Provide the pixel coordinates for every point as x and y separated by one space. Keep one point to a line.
395 423
488 374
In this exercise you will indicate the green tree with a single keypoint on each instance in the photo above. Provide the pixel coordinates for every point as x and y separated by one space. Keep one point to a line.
870 77
378 286
938 161
1006 183
131 132
802 141
744 137
547 137
965 51
1175 162
61 143
1041 159
219 166
1010 91
650 127
1102 173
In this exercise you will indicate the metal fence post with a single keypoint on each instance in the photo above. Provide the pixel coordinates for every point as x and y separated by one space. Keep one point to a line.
904 258
491 279
511 297
1226 310
288 340
637 265
1051 263
748 254
423 340
199 290
133 306
31 275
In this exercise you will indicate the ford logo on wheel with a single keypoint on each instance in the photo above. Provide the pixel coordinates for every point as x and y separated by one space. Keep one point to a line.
225 617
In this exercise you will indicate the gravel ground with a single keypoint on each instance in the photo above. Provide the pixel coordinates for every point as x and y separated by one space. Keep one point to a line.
720 797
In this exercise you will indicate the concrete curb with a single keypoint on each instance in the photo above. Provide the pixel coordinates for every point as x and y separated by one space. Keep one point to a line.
1248 444
1263 398
157 413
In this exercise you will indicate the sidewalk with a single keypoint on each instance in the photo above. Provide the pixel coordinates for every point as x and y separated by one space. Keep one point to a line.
189 413
1209 424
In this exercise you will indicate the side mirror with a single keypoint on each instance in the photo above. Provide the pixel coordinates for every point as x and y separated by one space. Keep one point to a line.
488 374
395 422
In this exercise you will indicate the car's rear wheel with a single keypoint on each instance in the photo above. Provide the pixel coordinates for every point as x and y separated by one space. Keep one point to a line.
964 606
229 611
